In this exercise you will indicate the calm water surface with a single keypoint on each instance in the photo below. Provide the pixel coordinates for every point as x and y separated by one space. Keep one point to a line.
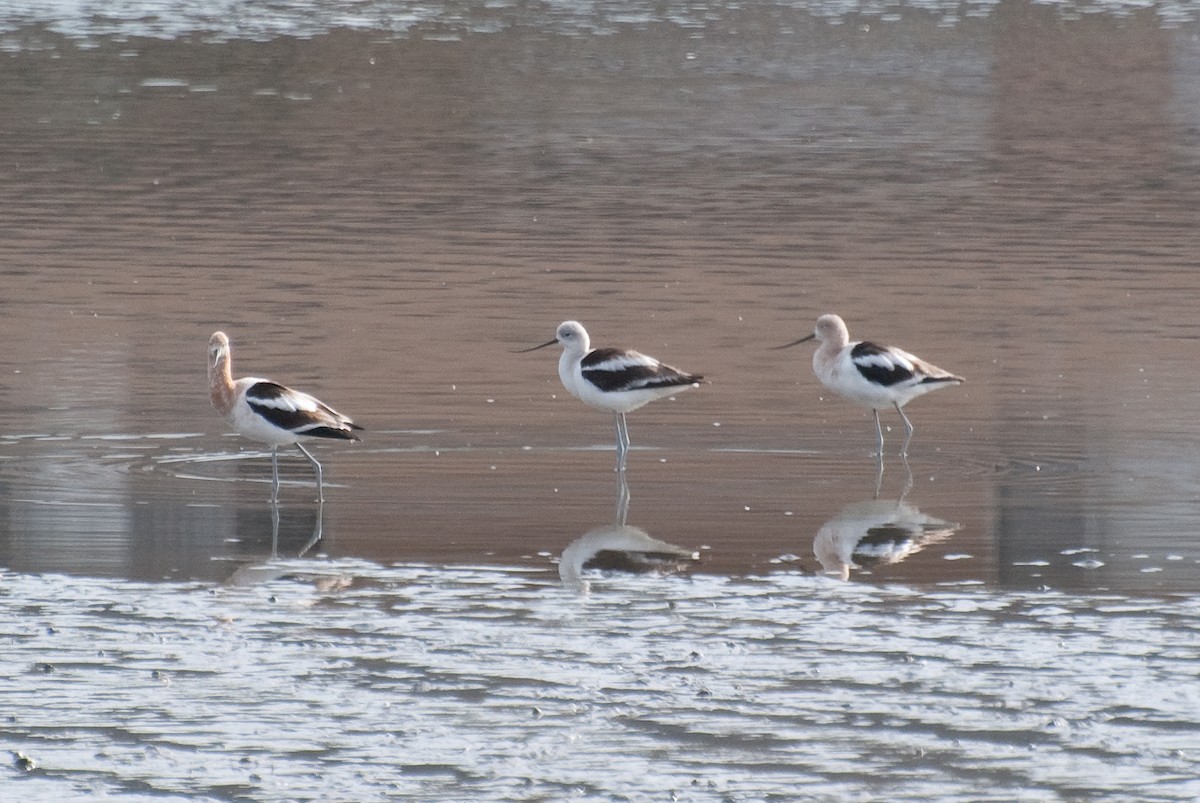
380 203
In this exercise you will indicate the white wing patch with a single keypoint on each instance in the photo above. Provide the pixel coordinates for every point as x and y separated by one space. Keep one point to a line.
889 361
623 362
292 401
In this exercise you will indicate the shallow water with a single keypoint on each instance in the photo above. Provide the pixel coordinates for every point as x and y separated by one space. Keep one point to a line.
379 203
344 680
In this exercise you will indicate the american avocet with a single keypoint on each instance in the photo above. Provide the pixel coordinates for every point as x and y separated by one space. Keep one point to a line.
617 380
270 413
872 375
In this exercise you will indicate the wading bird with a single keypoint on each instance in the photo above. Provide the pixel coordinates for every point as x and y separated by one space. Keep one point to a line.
617 380
872 375
271 413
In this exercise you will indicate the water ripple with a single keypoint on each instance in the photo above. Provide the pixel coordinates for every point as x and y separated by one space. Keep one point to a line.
435 683
220 20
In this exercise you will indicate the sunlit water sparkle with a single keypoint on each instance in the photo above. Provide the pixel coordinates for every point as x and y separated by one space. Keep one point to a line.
438 683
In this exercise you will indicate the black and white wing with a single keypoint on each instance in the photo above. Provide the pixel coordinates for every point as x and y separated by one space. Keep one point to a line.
298 412
882 365
889 366
616 370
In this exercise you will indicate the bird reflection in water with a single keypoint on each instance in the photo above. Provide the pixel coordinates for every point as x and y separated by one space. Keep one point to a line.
908 476
878 532
619 547
271 567
874 533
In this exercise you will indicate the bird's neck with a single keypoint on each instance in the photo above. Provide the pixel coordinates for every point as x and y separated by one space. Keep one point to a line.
220 385
566 369
831 348
825 358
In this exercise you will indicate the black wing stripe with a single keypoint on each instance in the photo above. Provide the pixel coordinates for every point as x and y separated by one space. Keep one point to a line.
293 420
330 432
261 397
267 391
885 370
598 356
628 378
613 370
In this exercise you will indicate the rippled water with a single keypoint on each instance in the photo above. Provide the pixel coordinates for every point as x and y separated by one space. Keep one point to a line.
381 202
344 680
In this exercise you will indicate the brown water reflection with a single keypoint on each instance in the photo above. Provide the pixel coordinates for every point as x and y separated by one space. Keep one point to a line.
381 219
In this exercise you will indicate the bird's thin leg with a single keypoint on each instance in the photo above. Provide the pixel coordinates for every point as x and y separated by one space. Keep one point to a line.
622 499
908 429
317 466
908 480
622 440
316 533
274 529
879 432
878 473
274 475
617 424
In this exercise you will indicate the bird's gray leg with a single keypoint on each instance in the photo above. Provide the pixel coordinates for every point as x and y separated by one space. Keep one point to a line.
879 432
317 466
274 475
622 440
274 529
908 429
316 534
908 480
622 499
